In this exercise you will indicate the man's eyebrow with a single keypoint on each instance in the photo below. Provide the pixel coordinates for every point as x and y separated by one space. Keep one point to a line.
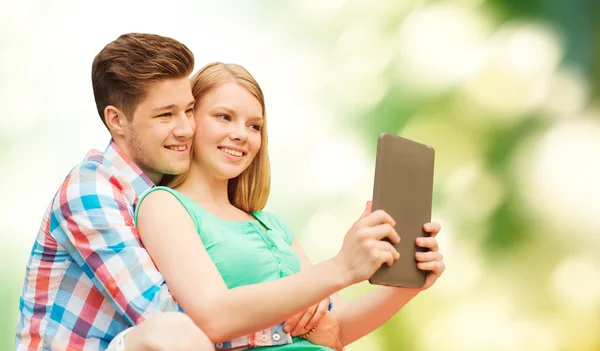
168 107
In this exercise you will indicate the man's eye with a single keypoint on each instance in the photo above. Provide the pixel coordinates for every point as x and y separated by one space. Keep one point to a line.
190 111
166 114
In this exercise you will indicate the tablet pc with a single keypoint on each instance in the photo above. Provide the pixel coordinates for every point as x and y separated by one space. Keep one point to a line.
404 189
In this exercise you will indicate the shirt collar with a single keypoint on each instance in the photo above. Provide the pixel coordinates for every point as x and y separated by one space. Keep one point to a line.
127 170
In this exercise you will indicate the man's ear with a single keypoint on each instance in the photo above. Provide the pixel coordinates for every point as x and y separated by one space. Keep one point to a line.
115 120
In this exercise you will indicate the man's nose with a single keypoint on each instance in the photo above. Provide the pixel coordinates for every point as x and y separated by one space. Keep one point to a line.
185 127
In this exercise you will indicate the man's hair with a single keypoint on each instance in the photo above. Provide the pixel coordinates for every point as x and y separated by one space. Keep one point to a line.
126 67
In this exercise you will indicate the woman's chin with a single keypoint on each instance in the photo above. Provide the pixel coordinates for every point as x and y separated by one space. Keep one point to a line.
230 174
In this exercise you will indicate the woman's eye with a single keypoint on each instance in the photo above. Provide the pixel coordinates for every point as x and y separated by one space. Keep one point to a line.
256 127
224 117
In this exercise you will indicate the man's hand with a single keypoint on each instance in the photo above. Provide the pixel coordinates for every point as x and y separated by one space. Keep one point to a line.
327 333
304 321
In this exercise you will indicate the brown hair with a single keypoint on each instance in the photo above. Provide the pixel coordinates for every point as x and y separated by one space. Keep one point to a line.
250 190
127 66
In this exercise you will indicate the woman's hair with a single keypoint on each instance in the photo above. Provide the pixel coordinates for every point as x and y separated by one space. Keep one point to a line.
250 190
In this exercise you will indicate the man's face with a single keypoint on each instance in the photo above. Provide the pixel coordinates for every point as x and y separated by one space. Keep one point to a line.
160 133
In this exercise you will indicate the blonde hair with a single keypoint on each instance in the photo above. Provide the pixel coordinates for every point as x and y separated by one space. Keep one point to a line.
250 190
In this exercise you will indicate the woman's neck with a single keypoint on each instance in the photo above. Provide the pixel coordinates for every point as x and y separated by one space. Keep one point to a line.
205 189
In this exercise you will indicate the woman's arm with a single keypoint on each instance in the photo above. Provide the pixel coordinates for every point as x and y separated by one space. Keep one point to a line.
170 236
367 313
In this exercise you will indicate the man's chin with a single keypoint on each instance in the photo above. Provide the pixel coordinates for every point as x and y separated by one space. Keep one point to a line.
174 170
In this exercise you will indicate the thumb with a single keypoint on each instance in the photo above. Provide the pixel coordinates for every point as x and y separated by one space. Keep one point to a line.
368 209
290 324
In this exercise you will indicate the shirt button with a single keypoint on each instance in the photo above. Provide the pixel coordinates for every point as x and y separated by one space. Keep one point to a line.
273 248
278 260
276 337
219 345
281 274
263 337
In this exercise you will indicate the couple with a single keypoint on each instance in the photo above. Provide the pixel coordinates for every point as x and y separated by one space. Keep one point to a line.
195 263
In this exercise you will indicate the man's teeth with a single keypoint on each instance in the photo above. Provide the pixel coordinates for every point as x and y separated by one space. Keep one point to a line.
232 152
177 147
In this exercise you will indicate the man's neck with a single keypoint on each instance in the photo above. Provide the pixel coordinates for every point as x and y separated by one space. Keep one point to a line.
155 177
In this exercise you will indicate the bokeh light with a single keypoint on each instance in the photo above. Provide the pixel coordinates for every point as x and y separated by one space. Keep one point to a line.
506 92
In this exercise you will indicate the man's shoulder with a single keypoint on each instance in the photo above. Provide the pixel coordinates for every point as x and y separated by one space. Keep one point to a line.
103 179
95 167
92 175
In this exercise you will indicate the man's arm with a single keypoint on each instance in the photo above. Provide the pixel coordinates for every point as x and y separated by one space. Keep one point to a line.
93 221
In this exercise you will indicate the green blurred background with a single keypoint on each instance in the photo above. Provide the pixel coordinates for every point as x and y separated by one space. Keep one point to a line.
505 91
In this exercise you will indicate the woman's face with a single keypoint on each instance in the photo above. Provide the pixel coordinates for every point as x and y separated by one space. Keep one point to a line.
228 124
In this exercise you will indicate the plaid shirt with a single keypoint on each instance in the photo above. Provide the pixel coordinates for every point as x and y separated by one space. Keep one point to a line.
88 277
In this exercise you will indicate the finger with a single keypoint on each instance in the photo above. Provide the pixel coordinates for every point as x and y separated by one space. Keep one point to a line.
383 231
291 323
436 267
385 246
432 228
319 314
368 209
429 256
430 243
377 217
300 328
385 257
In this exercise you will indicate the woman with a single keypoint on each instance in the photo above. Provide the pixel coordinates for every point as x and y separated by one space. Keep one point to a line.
236 269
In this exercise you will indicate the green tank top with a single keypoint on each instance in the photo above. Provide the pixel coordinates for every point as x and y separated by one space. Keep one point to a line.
245 252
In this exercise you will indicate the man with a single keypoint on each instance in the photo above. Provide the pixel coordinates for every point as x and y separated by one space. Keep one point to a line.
89 279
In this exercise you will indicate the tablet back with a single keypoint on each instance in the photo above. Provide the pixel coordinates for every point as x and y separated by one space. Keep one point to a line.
403 188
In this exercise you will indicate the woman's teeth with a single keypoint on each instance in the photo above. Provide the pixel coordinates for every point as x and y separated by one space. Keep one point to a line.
232 152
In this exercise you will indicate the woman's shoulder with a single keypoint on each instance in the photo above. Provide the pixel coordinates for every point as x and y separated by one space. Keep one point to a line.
164 199
160 192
